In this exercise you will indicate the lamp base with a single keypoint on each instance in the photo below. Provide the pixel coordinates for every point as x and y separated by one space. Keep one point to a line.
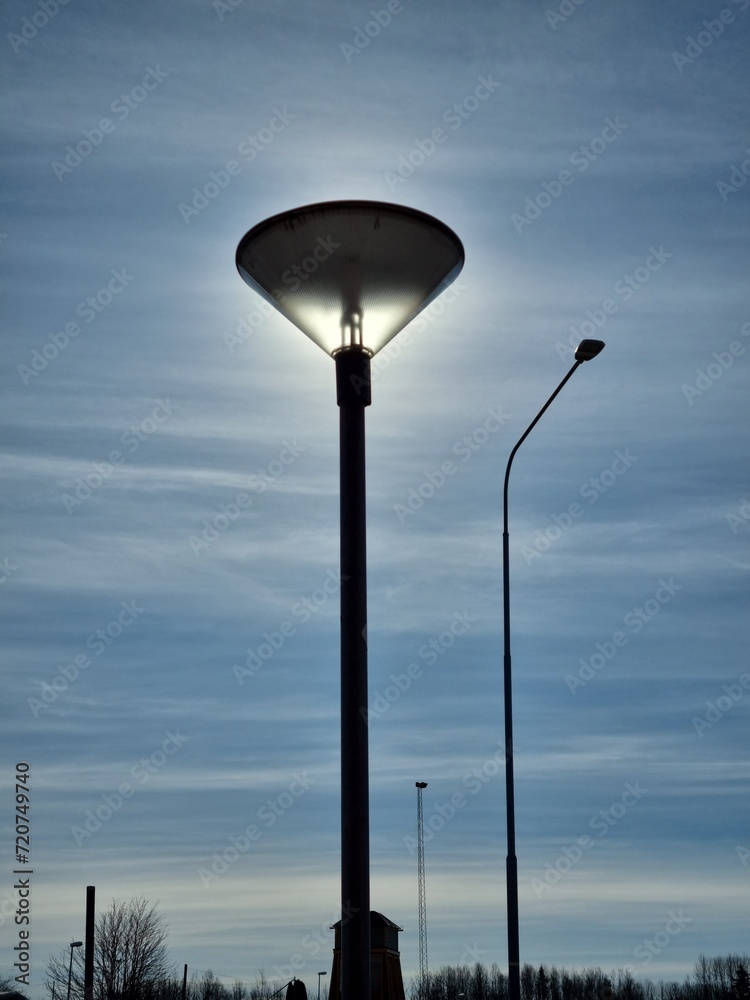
353 376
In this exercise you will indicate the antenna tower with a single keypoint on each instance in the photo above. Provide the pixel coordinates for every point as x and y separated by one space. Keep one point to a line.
422 903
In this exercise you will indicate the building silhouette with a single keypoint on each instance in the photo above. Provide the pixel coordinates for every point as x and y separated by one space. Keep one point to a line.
387 983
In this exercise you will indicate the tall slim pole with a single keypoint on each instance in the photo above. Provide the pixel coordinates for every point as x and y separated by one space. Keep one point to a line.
73 944
373 254
88 951
70 970
511 864
353 395
423 973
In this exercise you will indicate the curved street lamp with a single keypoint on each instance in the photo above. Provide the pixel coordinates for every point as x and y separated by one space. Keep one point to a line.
587 350
73 944
351 275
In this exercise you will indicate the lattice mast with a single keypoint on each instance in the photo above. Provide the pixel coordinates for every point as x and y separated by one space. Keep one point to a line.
422 903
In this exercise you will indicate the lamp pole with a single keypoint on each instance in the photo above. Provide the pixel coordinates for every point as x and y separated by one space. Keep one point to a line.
351 275
319 975
587 350
353 395
73 944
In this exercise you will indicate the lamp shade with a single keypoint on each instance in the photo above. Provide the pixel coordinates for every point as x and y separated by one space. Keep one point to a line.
350 273
588 349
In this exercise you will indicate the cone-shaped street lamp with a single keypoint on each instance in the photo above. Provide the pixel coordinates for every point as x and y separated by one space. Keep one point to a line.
586 351
350 275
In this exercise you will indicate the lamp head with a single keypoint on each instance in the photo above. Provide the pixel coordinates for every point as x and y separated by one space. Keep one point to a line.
589 349
421 784
350 274
76 944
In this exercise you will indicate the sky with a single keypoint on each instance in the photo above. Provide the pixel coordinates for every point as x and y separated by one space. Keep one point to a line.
169 563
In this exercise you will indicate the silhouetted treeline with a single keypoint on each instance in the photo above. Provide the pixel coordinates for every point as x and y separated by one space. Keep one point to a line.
209 986
720 978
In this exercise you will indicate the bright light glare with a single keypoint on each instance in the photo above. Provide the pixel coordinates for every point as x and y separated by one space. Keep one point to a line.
350 272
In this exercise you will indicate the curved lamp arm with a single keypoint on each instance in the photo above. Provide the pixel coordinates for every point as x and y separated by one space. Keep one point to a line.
586 350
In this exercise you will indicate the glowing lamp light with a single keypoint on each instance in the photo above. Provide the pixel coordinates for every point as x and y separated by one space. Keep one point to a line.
350 273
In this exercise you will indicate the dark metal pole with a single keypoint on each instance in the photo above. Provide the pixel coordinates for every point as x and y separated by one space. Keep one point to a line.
353 395
70 970
184 982
511 864
88 952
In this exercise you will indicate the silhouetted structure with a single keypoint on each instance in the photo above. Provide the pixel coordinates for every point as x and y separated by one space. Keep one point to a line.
386 982
296 990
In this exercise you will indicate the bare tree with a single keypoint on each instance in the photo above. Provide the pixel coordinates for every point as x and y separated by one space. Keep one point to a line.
130 957
9 987
741 982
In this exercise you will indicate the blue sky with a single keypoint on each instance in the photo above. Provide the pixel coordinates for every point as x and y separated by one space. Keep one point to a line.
593 158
